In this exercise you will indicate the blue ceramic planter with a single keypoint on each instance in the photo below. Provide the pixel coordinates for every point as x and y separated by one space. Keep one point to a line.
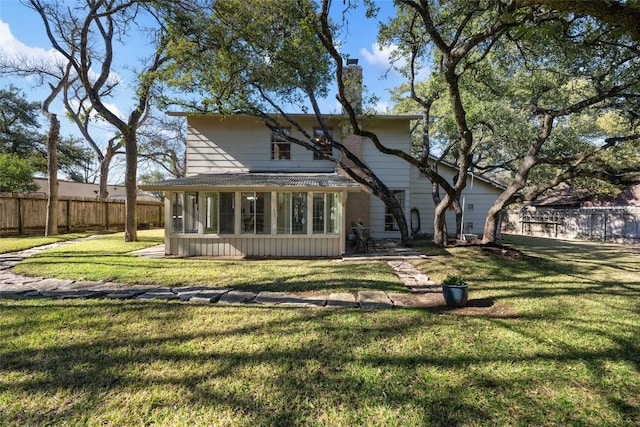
455 295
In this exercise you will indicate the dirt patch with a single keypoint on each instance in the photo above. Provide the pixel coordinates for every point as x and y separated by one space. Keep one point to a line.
486 307
503 251
497 250
434 301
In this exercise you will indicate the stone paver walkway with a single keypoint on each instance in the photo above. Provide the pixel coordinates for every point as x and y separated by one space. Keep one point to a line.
424 292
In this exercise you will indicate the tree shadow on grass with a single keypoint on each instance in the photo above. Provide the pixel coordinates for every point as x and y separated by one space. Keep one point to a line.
143 362
559 273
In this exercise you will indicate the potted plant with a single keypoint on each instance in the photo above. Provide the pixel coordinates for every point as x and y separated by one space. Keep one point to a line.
455 291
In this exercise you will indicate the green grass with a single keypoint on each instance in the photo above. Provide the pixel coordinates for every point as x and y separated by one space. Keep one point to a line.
570 358
14 244
107 258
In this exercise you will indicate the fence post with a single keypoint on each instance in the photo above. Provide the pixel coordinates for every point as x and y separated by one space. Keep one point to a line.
68 215
106 215
20 222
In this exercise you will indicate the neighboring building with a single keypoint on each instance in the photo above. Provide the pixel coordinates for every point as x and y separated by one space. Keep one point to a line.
629 196
89 191
248 192
567 213
77 189
566 197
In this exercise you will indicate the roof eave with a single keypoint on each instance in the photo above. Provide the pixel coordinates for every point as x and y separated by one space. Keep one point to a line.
297 115
201 187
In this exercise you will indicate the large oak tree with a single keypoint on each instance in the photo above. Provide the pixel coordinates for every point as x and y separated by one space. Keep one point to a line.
86 34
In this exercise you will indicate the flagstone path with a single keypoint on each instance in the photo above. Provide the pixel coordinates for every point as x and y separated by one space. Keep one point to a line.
423 291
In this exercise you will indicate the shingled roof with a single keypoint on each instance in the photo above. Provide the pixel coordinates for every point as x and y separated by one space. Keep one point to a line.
260 180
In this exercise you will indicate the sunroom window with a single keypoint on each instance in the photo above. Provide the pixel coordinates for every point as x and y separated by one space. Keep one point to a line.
211 204
184 212
227 213
219 214
325 213
191 212
177 203
292 213
256 212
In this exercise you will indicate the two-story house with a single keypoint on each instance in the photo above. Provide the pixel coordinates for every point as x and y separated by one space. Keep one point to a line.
250 192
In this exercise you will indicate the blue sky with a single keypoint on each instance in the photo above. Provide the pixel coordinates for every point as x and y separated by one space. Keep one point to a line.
22 33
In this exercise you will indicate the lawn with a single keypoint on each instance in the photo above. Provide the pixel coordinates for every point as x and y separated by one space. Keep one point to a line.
14 244
107 258
571 356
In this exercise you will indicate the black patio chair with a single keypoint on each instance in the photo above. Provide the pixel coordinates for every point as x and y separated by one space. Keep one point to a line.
362 238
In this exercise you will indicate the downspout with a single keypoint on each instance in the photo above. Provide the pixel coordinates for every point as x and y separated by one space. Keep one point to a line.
343 228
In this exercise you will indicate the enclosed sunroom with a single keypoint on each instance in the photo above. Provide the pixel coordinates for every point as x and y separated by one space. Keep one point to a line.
256 214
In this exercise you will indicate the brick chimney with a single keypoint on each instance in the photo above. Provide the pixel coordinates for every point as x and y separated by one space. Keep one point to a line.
358 203
352 78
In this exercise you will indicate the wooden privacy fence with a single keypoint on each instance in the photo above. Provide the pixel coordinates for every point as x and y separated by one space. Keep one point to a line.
26 214
614 224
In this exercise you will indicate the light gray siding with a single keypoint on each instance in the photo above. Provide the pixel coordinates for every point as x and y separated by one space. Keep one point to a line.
478 197
255 246
392 170
241 144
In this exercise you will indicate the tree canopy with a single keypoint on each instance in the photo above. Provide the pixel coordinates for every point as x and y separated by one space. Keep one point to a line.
16 174
19 126
525 103
21 134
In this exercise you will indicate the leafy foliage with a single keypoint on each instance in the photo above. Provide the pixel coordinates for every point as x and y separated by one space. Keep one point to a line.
573 67
235 55
16 174
454 281
19 126
21 134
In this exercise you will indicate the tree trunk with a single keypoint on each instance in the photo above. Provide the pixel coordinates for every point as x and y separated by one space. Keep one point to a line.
401 220
131 221
490 231
458 210
530 160
103 192
439 220
440 224
51 228
105 163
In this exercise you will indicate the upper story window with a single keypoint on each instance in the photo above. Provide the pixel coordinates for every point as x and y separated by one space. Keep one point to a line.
323 140
280 147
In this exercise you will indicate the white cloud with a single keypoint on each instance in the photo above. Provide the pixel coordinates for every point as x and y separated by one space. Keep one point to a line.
13 49
115 110
381 57
382 107
96 118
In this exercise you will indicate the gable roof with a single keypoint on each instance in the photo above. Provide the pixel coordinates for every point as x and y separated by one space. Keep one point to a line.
472 175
